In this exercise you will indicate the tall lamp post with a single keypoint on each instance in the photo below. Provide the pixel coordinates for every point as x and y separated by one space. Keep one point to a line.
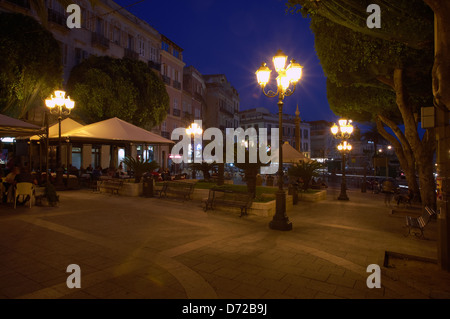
287 77
343 132
192 130
59 105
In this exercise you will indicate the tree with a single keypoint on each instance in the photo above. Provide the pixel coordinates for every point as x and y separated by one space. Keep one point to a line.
306 171
381 71
139 167
30 64
205 167
105 87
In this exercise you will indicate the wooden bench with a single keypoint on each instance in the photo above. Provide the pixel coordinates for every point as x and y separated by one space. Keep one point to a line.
180 189
420 222
114 185
229 198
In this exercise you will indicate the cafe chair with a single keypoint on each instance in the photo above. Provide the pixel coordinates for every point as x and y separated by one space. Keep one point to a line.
24 190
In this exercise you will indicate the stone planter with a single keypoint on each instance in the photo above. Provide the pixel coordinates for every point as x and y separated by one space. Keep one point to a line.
312 197
128 189
268 209
132 189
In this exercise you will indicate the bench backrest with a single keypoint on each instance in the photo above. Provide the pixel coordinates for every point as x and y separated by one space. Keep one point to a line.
426 216
226 194
179 185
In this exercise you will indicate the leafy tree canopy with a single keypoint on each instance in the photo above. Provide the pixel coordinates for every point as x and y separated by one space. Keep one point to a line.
30 64
104 87
359 66
405 21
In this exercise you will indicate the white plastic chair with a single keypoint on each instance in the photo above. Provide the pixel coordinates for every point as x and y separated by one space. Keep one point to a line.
23 189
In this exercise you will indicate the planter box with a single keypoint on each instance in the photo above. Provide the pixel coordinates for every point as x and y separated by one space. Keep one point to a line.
128 189
312 197
268 209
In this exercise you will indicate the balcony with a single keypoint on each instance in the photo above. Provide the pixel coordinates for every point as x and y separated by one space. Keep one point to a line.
154 65
99 41
176 112
56 17
166 79
224 110
130 54
177 85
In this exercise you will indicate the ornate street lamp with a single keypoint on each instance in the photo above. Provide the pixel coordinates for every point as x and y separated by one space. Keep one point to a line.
59 105
343 132
287 77
194 129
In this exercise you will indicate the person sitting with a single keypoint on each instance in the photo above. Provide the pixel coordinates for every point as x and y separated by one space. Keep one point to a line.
9 183
96 173
89 169
74 171
119 170
25 177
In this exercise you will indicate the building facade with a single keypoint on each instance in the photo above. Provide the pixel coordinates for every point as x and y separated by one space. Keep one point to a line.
222 101
261 118
110 30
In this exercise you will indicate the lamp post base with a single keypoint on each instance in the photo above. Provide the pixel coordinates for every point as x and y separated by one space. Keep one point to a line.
280 221
343 194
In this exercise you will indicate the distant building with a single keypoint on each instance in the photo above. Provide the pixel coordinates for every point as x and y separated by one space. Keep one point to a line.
222 101
323 143
260 117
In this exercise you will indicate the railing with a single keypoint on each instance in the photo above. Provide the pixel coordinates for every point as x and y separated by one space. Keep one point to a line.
224 110
166 79
176 112
130 53
177 85
100 40
56 17
154 65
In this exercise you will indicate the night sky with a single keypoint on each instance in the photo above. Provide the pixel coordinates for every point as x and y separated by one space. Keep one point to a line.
234 37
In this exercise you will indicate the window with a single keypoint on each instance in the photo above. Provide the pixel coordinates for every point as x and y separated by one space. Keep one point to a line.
141 46
176 53
116 35
95 159
305 133
164 46
130 44
198 114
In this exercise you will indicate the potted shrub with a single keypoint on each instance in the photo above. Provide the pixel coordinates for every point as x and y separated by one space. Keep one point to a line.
139 167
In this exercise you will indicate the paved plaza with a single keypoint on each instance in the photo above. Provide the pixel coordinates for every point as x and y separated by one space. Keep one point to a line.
150 248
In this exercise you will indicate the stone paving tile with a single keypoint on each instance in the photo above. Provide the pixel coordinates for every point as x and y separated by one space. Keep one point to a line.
341 281
321 286
250 291
300 292
325 256
20 288
273 285
227 272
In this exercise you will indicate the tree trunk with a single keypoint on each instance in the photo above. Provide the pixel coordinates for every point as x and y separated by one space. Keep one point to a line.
402 150
441 67
220 174
250 178
424 149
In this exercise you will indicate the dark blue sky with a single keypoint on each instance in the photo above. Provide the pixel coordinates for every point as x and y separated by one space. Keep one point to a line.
234 37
